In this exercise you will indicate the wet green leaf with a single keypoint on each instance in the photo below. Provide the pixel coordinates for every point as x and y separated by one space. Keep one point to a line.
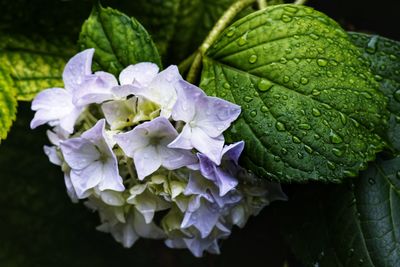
8 103
118 39
310 105
34 64
350 225
384 55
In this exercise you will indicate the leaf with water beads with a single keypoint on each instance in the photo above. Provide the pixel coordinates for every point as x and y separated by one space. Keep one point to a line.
310 105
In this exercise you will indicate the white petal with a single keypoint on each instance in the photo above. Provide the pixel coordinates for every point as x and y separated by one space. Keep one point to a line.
112 198
146 230
146 161
183 140
51 104
111 180
70 188
211 147
51 152
97 88
132 141
77 69
141 73
79 153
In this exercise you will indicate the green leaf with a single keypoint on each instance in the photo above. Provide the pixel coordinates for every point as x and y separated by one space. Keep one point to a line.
310 105
8 103
196 18
384 55
34 63
352 225
119 40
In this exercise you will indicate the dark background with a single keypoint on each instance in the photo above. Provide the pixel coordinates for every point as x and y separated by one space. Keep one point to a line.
39 226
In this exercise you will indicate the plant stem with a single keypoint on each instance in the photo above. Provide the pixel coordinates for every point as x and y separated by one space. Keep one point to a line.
262 4
300 2
221 24
186 63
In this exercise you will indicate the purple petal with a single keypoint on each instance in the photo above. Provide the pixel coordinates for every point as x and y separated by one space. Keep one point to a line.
225 181
70 188
96 88
111 180
51 153
233 151
211 147
77 68
185 106
79 152
183 140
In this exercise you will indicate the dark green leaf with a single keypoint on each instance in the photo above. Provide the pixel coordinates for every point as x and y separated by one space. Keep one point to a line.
119 40
310 105
384 55
348 225
34 64
8 103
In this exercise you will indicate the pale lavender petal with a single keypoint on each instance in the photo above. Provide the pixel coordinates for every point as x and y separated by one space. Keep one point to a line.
67 123
96 133
51 104
111 180
185 106
117 112
132 140
70 188
211 147
204 218
96 88
176 158
214 115
233 151
140 74
183 140
123 91
79 153
51 153
77 68
146 161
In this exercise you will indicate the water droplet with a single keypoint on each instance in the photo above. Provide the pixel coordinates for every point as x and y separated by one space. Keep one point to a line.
392 57
230 32
335 138
303 80
227 85
396 95
316 112
371 46
308 149
286 79
280 126
343 118
283 60
253 59
243 40
315 92
371 181
247 99
286 18
264 109
284 151
322 62
349 173
337 152
305 126
253 113
331 165
314 36
366 95
291 9
296 140
264 85
316 136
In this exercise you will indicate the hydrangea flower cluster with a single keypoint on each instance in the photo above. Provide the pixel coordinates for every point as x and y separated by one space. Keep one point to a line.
147 153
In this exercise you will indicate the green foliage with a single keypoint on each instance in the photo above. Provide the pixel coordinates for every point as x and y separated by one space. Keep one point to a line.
8 103
119 40
384 55
34 64
310 105
349 225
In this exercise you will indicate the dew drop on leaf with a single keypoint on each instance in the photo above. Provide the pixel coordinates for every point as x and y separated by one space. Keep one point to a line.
264 85
253 59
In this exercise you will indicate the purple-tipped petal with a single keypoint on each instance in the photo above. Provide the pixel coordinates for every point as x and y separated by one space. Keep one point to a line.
233 151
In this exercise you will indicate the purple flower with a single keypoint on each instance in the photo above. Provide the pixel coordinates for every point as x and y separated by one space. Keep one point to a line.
55 105
92 161
223 176
147 145
206 119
